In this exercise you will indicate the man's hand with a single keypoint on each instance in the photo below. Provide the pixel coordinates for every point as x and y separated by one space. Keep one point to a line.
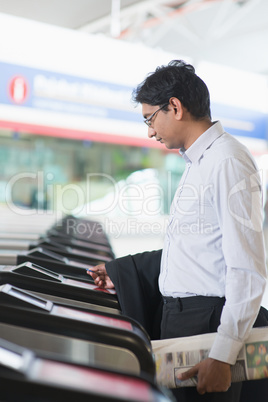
213 376
101 279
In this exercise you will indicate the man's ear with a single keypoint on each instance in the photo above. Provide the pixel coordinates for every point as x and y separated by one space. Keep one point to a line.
177 107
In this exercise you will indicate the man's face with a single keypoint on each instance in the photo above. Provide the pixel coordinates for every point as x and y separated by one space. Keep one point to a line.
163 125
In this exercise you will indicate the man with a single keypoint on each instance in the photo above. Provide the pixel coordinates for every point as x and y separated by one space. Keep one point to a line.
213 273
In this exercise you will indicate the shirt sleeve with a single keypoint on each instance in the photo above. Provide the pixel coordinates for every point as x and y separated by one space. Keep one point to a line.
238 204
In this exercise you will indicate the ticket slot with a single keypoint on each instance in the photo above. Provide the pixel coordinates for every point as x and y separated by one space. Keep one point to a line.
11 295
38 279
56 262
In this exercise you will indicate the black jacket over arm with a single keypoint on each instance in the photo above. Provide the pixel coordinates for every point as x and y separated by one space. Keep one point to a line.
135 278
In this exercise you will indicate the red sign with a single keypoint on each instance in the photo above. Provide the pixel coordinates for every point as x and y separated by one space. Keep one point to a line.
18 89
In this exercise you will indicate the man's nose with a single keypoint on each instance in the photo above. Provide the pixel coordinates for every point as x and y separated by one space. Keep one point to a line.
151 132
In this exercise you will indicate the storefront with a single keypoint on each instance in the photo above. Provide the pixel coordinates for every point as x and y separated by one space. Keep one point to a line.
66 114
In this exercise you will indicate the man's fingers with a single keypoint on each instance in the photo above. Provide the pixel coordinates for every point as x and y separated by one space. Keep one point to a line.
201 391
96 271
188 374
210 375
100 277
99 282
93 273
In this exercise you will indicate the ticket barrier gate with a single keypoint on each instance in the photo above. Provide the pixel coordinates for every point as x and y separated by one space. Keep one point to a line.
28 377
81 337
71 252
55 234
91 235
56 241
86 244
58 288
51 260
67 260
82 229
72 246
61 254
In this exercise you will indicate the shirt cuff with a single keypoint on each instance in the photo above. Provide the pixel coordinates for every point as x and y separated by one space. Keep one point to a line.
225 349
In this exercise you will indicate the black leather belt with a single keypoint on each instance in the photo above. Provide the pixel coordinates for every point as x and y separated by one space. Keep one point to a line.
194 301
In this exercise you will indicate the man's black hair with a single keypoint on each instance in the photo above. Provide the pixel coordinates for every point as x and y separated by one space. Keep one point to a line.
177 79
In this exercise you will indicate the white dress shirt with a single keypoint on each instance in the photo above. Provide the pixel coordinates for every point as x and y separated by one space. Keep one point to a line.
214 241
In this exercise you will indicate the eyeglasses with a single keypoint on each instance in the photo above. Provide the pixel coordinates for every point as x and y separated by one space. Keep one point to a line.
148 120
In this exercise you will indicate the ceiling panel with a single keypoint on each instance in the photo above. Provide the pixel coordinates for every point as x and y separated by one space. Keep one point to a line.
230 32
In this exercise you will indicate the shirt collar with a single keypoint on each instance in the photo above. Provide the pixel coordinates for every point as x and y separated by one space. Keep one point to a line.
196 150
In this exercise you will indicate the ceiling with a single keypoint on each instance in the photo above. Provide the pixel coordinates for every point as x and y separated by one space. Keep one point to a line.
229 32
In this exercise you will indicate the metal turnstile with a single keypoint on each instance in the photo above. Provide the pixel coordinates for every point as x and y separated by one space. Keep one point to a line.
82 229
76 248
58 288
83 337
84 244
84 249
91 239
51 260
27 377
73 253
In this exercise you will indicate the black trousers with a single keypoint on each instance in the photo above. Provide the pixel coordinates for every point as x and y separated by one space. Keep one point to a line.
194 316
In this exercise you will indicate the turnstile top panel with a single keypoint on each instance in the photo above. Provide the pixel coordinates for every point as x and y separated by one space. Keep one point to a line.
14 296
34 270
37 369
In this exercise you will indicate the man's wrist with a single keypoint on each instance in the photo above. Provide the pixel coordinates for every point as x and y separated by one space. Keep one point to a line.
225 349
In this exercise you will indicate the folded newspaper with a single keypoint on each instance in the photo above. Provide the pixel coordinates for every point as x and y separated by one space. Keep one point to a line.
174 356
